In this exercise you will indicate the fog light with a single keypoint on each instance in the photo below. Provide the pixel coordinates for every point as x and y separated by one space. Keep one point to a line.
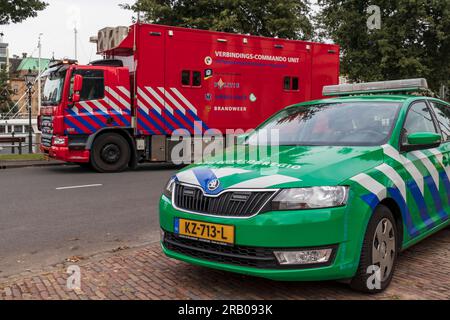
304 257
162 234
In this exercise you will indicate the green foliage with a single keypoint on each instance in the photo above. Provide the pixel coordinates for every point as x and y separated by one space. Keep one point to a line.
5 98
271 18
414 39
18 10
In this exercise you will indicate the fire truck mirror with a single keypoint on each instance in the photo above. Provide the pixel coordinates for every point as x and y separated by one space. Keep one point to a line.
76 98
77 84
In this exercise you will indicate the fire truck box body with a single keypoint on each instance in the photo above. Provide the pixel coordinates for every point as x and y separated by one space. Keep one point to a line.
157 79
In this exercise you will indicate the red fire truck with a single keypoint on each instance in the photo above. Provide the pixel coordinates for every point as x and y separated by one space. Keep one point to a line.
121 111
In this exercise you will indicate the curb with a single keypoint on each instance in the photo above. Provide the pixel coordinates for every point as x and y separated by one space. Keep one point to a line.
25 165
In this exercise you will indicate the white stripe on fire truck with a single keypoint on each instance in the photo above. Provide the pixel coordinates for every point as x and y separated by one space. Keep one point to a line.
143 106
371 185
159 99
149 101
174 102
100 106
75 110
429 165
87 107
407 164
114 106
185 101
119 99
396 179
126 92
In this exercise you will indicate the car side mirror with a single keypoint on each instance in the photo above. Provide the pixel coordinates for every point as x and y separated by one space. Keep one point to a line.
77 83
422 140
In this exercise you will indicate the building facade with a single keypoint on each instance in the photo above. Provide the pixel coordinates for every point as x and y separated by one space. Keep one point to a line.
19 67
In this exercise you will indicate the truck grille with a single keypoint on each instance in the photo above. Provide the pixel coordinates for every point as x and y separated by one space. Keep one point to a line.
47 131
229 204
263 258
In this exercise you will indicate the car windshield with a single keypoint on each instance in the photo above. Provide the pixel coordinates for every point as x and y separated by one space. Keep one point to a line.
333 124
53 88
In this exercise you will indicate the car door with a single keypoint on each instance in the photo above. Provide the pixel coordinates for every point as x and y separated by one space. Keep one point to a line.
92 112
424 199
442 154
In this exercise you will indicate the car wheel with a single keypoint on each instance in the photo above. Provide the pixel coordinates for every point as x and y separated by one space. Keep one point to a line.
110 153
379 253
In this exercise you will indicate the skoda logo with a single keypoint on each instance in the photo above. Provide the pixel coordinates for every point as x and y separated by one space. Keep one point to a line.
213 185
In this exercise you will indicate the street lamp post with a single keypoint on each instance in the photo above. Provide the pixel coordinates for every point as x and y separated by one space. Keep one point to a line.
29 81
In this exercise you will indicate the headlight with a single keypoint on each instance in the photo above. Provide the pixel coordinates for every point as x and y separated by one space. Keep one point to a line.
168 190
59 141
310 198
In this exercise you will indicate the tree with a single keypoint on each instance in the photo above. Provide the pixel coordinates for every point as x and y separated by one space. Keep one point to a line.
5 96
413 41
271 18
14 11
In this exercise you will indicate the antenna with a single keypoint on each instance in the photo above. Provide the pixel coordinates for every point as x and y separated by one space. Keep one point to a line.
75 30
39 71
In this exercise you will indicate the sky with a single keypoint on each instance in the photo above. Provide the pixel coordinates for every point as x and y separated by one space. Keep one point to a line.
57 22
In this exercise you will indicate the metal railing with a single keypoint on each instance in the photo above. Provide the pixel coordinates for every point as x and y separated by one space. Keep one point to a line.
20 116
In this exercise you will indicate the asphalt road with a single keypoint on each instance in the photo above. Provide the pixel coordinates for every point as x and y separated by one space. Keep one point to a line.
45 217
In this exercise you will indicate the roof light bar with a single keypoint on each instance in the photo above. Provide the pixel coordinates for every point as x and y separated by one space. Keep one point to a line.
408 85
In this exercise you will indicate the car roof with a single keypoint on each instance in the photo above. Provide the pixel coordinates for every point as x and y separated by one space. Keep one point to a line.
370 98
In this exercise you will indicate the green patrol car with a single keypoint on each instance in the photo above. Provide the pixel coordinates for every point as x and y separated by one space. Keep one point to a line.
353 181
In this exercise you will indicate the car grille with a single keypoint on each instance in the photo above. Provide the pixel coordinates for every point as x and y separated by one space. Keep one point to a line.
47 131
229 204
263 258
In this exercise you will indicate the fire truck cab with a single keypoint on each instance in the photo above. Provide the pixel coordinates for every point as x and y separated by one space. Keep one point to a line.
156 80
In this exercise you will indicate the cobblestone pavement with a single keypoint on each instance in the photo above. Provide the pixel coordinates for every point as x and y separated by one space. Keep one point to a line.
144 273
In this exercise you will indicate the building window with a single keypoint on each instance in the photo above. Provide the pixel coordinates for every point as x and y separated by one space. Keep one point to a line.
191 78
291 84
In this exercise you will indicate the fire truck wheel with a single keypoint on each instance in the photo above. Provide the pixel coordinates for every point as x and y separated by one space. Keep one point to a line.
110 153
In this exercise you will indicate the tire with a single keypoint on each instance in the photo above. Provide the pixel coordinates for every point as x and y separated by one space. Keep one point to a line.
382 233
110 153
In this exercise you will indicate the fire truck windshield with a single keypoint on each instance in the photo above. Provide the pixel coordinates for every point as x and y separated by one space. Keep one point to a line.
53 88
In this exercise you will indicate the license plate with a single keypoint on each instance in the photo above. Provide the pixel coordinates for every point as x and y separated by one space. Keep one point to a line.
211 232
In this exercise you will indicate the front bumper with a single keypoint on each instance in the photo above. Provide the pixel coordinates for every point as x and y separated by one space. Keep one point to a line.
275 230
67 155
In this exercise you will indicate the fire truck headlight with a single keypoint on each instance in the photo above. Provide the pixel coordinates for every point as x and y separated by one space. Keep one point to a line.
60 141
